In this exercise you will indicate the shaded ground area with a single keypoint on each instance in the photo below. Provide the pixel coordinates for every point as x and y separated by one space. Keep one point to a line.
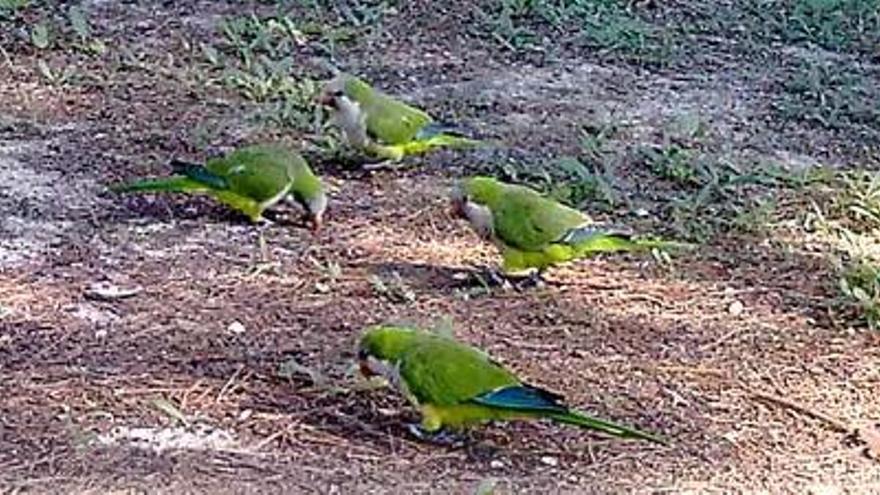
229 368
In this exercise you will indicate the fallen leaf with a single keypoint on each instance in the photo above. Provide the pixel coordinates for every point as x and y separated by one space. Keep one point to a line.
170 410
108 292
289 368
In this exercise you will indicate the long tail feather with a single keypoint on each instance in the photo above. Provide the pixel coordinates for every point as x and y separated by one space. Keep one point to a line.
171 184
439 134
537 402
435 129
199 173
451 141
613 429
603 239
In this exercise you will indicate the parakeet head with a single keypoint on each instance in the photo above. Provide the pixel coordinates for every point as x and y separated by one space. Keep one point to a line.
345 94
343 90
315 207
333 91
472 199
308 191
381 347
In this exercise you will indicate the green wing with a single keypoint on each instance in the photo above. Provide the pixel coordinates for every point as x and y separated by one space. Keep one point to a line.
393 122
260 173
524 219
442 371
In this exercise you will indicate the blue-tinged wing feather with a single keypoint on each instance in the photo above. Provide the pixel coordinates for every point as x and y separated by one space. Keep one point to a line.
522 397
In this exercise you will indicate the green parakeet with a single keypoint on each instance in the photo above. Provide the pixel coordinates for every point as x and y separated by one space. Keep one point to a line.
249 179
455 385
534 232
383 126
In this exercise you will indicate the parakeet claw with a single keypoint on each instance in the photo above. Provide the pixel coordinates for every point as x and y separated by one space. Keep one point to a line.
442 437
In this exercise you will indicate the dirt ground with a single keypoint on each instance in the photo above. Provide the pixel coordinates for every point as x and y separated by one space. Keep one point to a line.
229 367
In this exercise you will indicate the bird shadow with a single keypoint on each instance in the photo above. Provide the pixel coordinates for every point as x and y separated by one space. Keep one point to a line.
145 208
434 278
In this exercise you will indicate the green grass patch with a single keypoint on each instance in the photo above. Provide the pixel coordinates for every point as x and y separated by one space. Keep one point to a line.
837 25
859 285
610 26
832 96
581 181
271 60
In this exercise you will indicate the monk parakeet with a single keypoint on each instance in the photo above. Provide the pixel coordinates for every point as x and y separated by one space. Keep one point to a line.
383 126
455 385
250 180
534 232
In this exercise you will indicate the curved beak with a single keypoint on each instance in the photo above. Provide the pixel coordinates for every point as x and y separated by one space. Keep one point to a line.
325 99
365 369
458 207
315 223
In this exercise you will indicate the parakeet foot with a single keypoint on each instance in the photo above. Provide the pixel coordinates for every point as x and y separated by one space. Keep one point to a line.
441 437
264 223
490 277
534 280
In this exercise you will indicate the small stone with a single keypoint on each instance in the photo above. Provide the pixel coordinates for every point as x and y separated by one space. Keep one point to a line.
736 308
641 213
496 464
823 489
245 415
731 436
236 327
549 461
100 334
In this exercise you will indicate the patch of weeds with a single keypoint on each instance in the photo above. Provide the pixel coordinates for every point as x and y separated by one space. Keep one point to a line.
507 23
846 215
393 288
831 96
673 163
728 200
586 179
9 8
11 17
859 283
56 77
34 27
833 24
46 26
330 271
259 58
291 369
608 25
262 58
758 25
354 16
857 201
756 218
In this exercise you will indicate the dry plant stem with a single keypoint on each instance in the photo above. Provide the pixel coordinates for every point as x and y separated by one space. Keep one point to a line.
834 423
